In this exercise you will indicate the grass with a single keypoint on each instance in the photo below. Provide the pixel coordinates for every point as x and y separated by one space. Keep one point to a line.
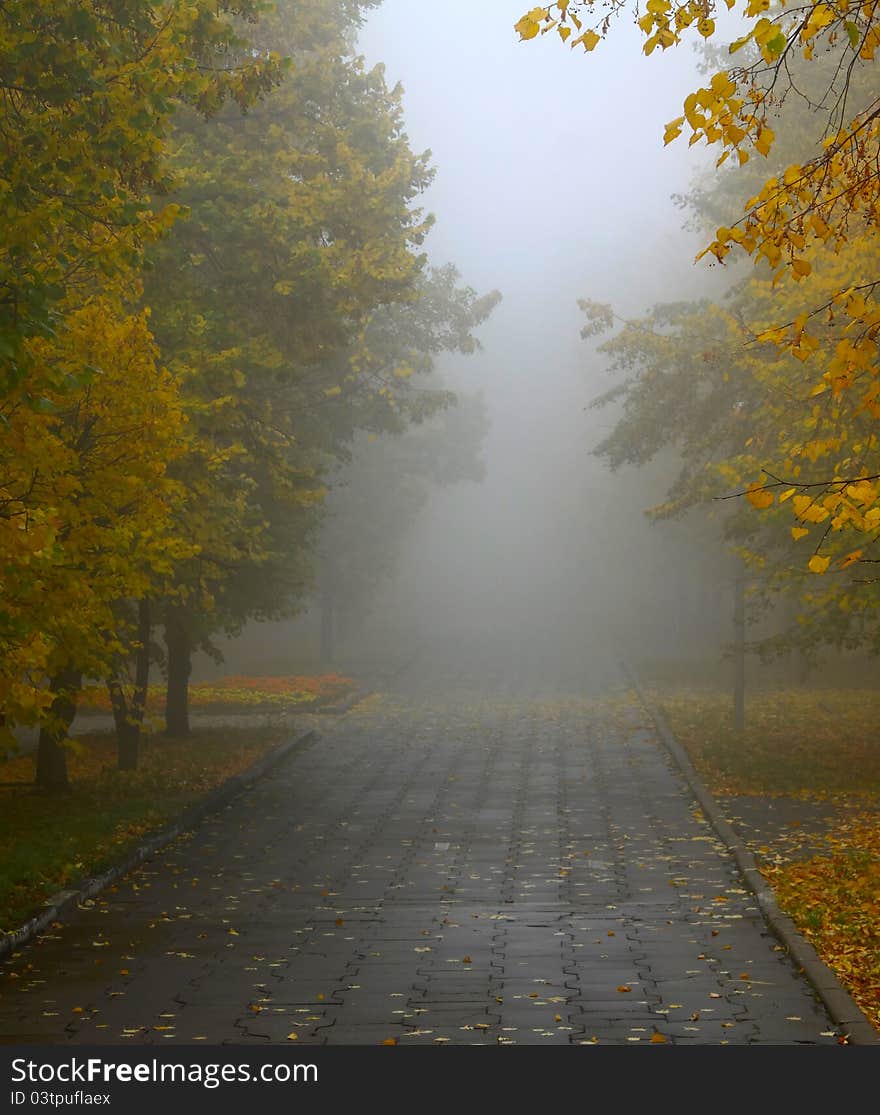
49 841
819 743
242 693
815 745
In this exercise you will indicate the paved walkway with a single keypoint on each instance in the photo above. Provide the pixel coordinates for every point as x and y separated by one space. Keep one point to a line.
444 865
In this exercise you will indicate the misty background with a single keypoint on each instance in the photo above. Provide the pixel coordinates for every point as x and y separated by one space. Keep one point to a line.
552 184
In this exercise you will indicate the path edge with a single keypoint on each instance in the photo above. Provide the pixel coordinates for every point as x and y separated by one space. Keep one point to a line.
60 902
841 1006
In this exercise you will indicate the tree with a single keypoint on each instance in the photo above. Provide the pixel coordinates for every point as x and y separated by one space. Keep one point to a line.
374 501
815 199
87 90
379 486
87 511
811 229
267 302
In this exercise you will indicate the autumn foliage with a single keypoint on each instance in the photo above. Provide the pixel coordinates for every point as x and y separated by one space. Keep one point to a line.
812 217
211 250
818 749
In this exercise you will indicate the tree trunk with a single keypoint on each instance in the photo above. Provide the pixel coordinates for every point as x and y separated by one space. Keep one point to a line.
129 760
119 706
179 645
51 755
129 716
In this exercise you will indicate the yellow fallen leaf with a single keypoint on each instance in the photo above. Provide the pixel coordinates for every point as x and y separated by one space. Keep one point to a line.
293 1036
624 988
658 1039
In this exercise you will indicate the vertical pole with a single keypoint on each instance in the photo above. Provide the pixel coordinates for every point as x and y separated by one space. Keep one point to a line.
327 625
739 654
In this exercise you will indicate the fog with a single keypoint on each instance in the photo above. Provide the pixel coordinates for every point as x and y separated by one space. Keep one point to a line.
552 184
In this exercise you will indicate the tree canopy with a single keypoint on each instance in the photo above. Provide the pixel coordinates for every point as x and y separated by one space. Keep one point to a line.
774 394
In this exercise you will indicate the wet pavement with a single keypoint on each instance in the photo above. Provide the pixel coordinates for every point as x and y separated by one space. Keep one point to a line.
514 861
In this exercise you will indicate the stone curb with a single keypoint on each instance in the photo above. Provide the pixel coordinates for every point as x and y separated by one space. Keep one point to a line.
839 1003
63 900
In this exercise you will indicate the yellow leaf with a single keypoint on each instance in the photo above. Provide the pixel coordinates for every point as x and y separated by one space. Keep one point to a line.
293 1036
798 532
759 497
765 140
818 564
530 24
851 559
590 40
673 129
658 1039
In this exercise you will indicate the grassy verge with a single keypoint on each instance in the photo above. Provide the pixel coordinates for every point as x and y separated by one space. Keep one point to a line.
48 841
822 745
241 693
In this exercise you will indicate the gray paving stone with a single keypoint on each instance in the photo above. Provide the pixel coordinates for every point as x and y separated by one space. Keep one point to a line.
519 835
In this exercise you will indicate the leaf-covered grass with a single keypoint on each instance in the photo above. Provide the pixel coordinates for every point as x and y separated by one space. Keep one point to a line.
818 745
242 693
834 900
49 841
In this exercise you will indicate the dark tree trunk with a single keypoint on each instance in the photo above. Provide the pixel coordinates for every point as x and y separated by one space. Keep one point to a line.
179 646
129 716
51 756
